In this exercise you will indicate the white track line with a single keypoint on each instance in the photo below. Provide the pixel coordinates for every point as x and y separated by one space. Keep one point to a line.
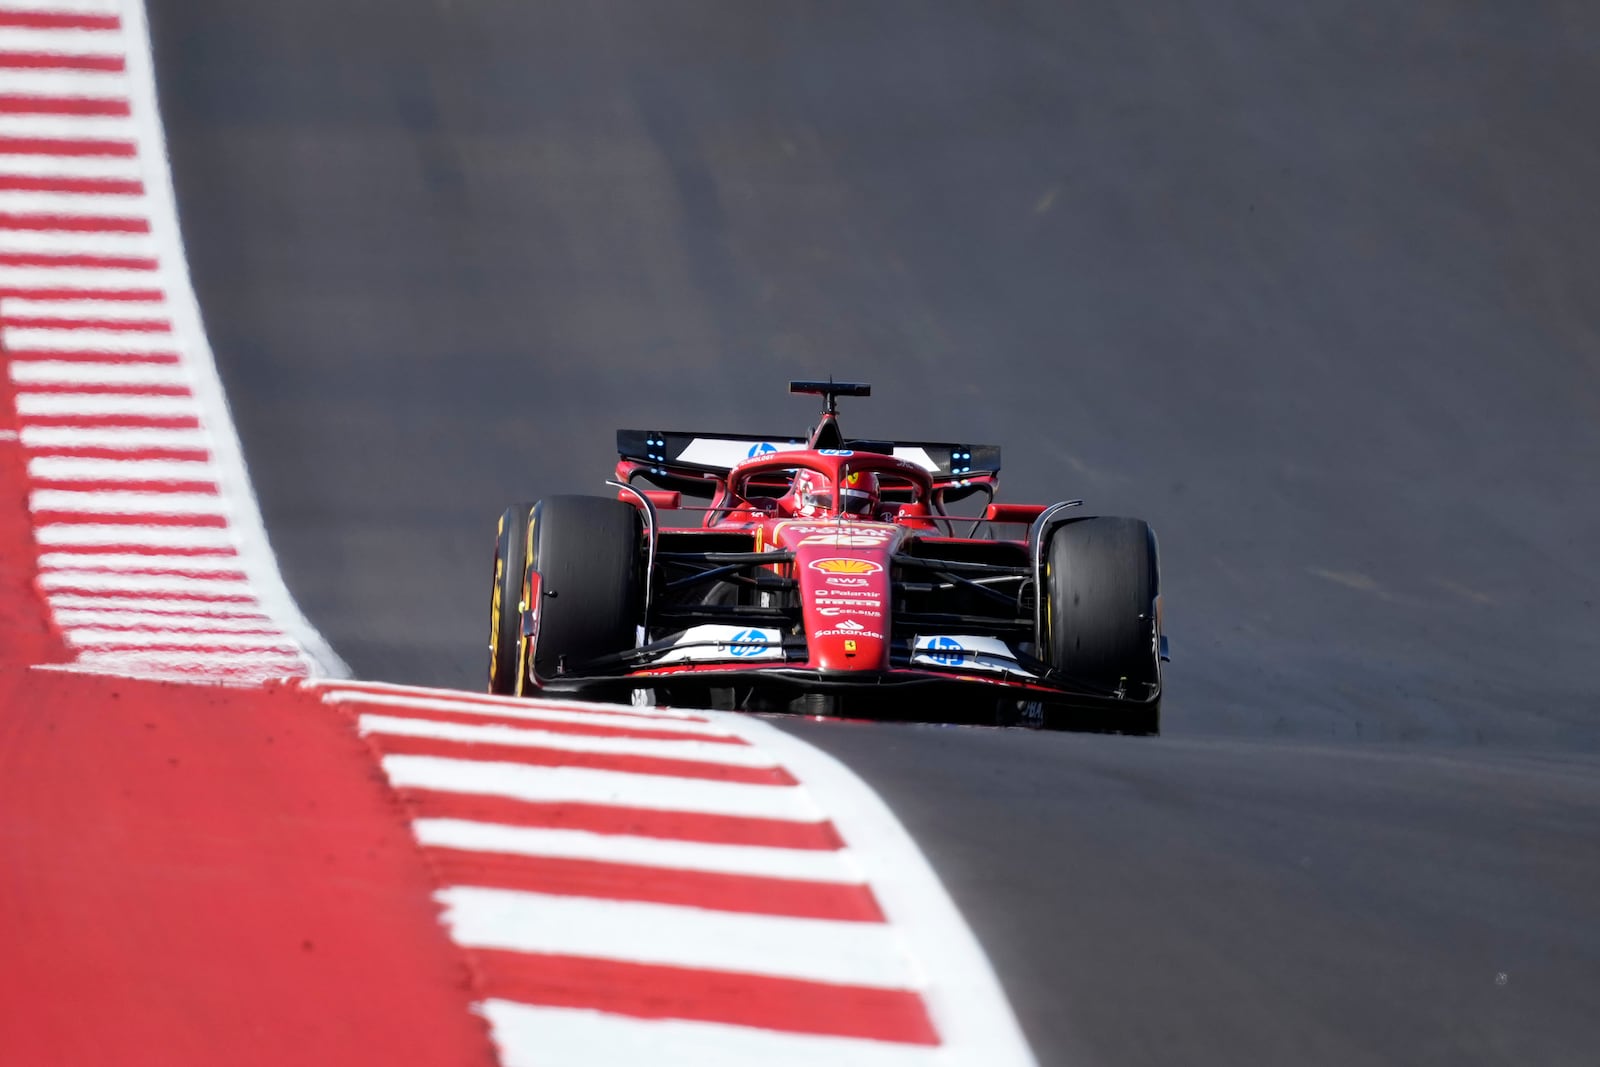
530 1036
687 749
818 950
808 864
583 785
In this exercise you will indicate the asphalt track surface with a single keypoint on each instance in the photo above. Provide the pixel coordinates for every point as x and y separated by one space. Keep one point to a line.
1311 287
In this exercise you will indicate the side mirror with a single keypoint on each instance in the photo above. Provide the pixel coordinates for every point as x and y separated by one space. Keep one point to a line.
1021 513
661 499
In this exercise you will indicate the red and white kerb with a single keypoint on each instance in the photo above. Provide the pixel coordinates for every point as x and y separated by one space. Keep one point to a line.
150 551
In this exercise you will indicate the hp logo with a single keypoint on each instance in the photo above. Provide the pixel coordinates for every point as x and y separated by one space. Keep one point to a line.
946 652
748 643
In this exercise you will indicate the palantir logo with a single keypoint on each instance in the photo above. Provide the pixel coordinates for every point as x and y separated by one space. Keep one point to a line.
946 652
748 643
762 449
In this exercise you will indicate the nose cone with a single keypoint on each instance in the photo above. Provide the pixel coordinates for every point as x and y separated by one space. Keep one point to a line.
843 574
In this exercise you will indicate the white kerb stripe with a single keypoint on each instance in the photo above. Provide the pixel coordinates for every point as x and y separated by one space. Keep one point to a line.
533 712
57 404
483 704
119 502
31 338
31 81
97 127
69 42
809 864
109 639
137 561
74 277
121 437
112 582
818 950
125 205
76 7
153 622
113 609
587 786
474 733
123 167
140 310
75 242
530 1036
82 535
62 372
71 468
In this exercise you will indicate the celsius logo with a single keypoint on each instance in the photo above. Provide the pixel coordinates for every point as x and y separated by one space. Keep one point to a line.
846 566
762 449
946 652
748 643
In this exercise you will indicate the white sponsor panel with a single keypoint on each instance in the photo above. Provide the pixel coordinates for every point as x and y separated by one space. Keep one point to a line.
737 644
966 652
721 452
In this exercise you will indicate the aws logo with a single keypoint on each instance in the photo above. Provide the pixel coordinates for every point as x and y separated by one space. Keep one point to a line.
846 566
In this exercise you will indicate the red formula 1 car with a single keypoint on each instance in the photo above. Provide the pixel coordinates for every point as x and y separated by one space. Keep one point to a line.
829 576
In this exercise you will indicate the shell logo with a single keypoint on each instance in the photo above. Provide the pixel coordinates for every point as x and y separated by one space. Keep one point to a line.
846 566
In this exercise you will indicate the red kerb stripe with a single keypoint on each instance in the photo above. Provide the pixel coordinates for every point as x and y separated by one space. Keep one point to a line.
597 879
602 761
655 991
142 550
28 183
58 20
67 146
191 455
58 223
24 104
60 61
65 292
91 356
51 322
109 388
161 422
48 517
818 836
50 261
128 486
585 729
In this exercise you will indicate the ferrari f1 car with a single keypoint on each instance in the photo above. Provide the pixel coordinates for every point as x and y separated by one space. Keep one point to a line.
829 575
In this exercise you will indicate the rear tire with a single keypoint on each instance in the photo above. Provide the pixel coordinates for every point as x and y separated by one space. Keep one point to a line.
1102 581
586 553
505 607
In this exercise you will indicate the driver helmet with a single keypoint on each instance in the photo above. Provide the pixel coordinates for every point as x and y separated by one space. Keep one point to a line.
858 494
813 493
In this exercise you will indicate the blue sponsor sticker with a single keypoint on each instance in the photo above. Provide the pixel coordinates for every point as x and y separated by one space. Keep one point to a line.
946 652
835 452
748 643
763 449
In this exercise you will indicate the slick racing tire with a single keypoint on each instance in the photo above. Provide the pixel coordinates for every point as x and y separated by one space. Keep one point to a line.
505 606
586 551
1101 584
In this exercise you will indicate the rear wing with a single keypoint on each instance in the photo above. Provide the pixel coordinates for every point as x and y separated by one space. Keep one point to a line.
669 457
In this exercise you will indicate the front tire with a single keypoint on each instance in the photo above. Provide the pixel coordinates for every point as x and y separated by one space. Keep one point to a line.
1102 585
505 606
586 551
